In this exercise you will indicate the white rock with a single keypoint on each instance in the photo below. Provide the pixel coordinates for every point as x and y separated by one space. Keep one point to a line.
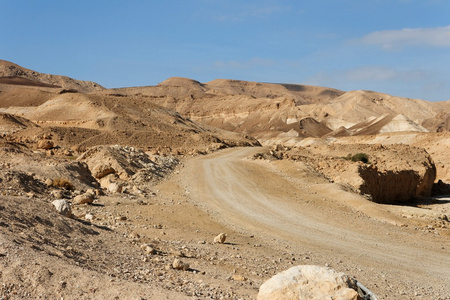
63 207
309 282
114 187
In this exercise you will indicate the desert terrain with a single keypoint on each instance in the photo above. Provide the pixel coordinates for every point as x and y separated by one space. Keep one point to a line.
146 178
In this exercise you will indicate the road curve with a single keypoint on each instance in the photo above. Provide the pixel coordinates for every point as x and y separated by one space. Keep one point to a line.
254 197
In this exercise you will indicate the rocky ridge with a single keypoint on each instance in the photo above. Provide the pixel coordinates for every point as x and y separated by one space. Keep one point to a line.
11 73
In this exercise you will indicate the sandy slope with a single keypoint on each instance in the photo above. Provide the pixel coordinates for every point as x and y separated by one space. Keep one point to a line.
309 213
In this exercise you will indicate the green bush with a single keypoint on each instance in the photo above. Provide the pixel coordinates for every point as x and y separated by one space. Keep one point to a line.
360 157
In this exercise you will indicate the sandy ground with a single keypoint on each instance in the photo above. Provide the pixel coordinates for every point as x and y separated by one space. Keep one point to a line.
276 214
296 212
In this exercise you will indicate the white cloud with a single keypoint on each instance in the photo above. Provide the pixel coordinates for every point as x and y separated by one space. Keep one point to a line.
397 39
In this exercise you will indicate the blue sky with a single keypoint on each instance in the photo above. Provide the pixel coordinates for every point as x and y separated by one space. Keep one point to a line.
399 47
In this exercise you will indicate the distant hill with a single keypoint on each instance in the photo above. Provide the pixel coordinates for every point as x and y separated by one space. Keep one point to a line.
271 111
11 73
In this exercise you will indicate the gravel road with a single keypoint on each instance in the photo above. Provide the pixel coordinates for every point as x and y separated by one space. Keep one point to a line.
290 206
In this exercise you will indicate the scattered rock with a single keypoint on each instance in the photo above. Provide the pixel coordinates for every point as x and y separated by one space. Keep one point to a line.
58 194
179 265
100 171
238 278
114 188
45 144
86 198
63 207
309 282
220 239
148 249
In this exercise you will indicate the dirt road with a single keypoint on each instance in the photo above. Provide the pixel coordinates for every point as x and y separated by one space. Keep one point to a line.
297 211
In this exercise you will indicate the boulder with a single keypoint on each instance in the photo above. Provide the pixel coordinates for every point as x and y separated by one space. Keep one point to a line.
63 207
309 282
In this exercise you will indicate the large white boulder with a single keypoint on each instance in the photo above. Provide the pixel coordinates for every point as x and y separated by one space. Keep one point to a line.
308 282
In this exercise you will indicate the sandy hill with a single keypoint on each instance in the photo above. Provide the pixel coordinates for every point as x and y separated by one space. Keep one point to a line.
270 111
70 119
11 73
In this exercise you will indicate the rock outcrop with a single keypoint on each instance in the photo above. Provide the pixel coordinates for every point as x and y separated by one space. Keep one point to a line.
309 282
393 174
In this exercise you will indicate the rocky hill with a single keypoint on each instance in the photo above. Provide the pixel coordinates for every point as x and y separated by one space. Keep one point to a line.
110 194
274 111
11 73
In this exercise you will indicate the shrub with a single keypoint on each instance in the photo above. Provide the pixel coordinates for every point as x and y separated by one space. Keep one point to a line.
63 183
360 157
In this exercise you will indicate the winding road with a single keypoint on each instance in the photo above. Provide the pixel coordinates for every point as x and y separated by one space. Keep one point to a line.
290 206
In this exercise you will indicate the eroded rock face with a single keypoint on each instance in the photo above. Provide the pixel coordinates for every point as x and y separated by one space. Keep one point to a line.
309 282
393 174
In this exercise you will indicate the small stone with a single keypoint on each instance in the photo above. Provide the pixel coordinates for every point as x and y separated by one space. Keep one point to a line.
149 250
63 207
238 278
114 188
179 265
89 217
220 239
45 144
86 198
58 194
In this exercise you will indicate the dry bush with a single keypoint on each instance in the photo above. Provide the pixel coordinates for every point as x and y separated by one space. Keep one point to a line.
63 183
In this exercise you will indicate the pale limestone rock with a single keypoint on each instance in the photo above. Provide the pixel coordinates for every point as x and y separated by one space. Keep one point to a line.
63 207
309 282
114 188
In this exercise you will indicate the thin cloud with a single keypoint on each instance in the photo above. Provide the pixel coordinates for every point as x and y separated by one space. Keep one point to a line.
397 39
249 11
367 74
380 73
234 64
